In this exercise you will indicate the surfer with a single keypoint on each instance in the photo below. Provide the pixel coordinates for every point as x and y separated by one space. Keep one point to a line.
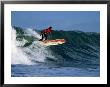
45 33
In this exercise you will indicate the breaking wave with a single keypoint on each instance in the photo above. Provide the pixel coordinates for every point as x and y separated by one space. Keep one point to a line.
30 54
82 49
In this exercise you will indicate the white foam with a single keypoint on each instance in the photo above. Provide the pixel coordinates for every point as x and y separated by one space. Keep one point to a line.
30 54
31 32
18 56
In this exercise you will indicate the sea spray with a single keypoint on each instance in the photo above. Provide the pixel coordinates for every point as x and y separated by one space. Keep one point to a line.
18 56
29 54
31 32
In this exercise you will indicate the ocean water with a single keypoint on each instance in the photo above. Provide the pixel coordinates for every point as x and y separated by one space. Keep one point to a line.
45 71
78 57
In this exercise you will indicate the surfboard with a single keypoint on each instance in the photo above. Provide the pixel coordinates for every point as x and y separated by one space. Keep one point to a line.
52 42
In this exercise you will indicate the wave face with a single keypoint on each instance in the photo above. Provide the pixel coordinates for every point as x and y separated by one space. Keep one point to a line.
82 49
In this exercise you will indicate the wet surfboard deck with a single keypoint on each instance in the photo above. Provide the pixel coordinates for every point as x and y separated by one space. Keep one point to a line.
52 42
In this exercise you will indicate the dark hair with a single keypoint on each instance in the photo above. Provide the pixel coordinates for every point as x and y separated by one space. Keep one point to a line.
50 27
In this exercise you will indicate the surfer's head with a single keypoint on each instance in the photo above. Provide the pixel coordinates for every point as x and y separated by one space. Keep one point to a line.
50 27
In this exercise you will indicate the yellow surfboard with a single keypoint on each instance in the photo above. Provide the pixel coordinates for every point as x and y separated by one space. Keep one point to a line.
52 42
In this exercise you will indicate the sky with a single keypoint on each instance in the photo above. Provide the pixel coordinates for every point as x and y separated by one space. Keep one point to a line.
87 21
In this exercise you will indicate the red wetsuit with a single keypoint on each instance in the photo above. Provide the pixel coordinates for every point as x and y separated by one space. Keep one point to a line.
48 30
45 32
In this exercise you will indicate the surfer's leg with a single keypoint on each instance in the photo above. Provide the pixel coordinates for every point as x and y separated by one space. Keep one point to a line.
45 35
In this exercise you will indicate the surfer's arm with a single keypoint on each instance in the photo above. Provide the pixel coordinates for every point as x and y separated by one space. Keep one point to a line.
41 33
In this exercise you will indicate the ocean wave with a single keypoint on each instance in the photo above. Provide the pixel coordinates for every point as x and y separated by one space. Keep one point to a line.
82 49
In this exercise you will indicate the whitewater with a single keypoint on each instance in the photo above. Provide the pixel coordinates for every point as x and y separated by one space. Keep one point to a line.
78 57
35 52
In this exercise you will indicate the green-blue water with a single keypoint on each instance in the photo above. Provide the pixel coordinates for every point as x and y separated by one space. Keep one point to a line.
79 56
